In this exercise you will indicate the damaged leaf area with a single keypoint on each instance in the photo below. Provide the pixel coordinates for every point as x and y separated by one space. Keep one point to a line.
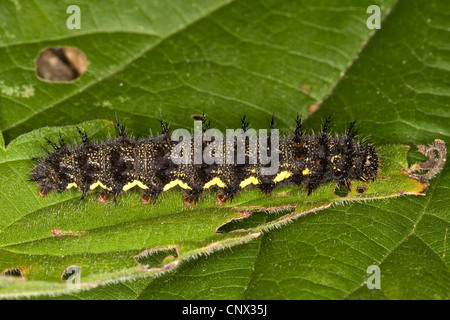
46 242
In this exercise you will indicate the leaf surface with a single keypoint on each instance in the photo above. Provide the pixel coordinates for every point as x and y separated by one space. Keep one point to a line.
280 57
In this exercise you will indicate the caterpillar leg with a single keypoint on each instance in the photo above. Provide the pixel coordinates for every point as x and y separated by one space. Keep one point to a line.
190 197
266 188
311 187
104 196
42 193
150 196
222 199
224 196
146 198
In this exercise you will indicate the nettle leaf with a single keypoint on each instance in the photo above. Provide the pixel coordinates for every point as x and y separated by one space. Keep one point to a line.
44 238
227 59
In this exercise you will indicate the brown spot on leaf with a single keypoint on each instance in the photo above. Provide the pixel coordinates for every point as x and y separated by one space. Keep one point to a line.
59 233
314 107
306 88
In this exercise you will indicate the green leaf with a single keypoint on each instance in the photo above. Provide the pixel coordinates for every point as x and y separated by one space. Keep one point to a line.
179 58
40 239
227 59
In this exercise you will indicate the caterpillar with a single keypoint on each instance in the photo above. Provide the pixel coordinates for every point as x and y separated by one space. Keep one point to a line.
119 164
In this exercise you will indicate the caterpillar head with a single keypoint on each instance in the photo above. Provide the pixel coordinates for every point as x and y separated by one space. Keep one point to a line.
49 176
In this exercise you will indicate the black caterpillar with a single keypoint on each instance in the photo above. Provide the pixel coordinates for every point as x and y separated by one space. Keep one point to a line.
121 163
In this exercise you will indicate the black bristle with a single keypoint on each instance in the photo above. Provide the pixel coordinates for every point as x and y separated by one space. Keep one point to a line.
52 144
350 132
120 128
46 151
245 124
164 125
83 135
35 159
272 123
298 127
205 125
326 124
62 143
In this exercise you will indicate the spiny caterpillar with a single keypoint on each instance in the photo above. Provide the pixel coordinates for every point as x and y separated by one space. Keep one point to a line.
121 163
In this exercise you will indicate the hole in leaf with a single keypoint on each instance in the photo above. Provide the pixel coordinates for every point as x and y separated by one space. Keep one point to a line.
13 272
361 189
197 117
341 191
70 272
61 64
154 257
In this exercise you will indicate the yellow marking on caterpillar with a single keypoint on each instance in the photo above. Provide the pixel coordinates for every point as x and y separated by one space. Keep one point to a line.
282 175
72 185
335 157
130 185
98 183
250 180
175 183
215 181
306 172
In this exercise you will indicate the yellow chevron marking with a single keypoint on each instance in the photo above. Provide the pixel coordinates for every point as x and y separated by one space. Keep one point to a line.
130 185
306 172
215 181
72 185
282 175
250 180
98 183
175 183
